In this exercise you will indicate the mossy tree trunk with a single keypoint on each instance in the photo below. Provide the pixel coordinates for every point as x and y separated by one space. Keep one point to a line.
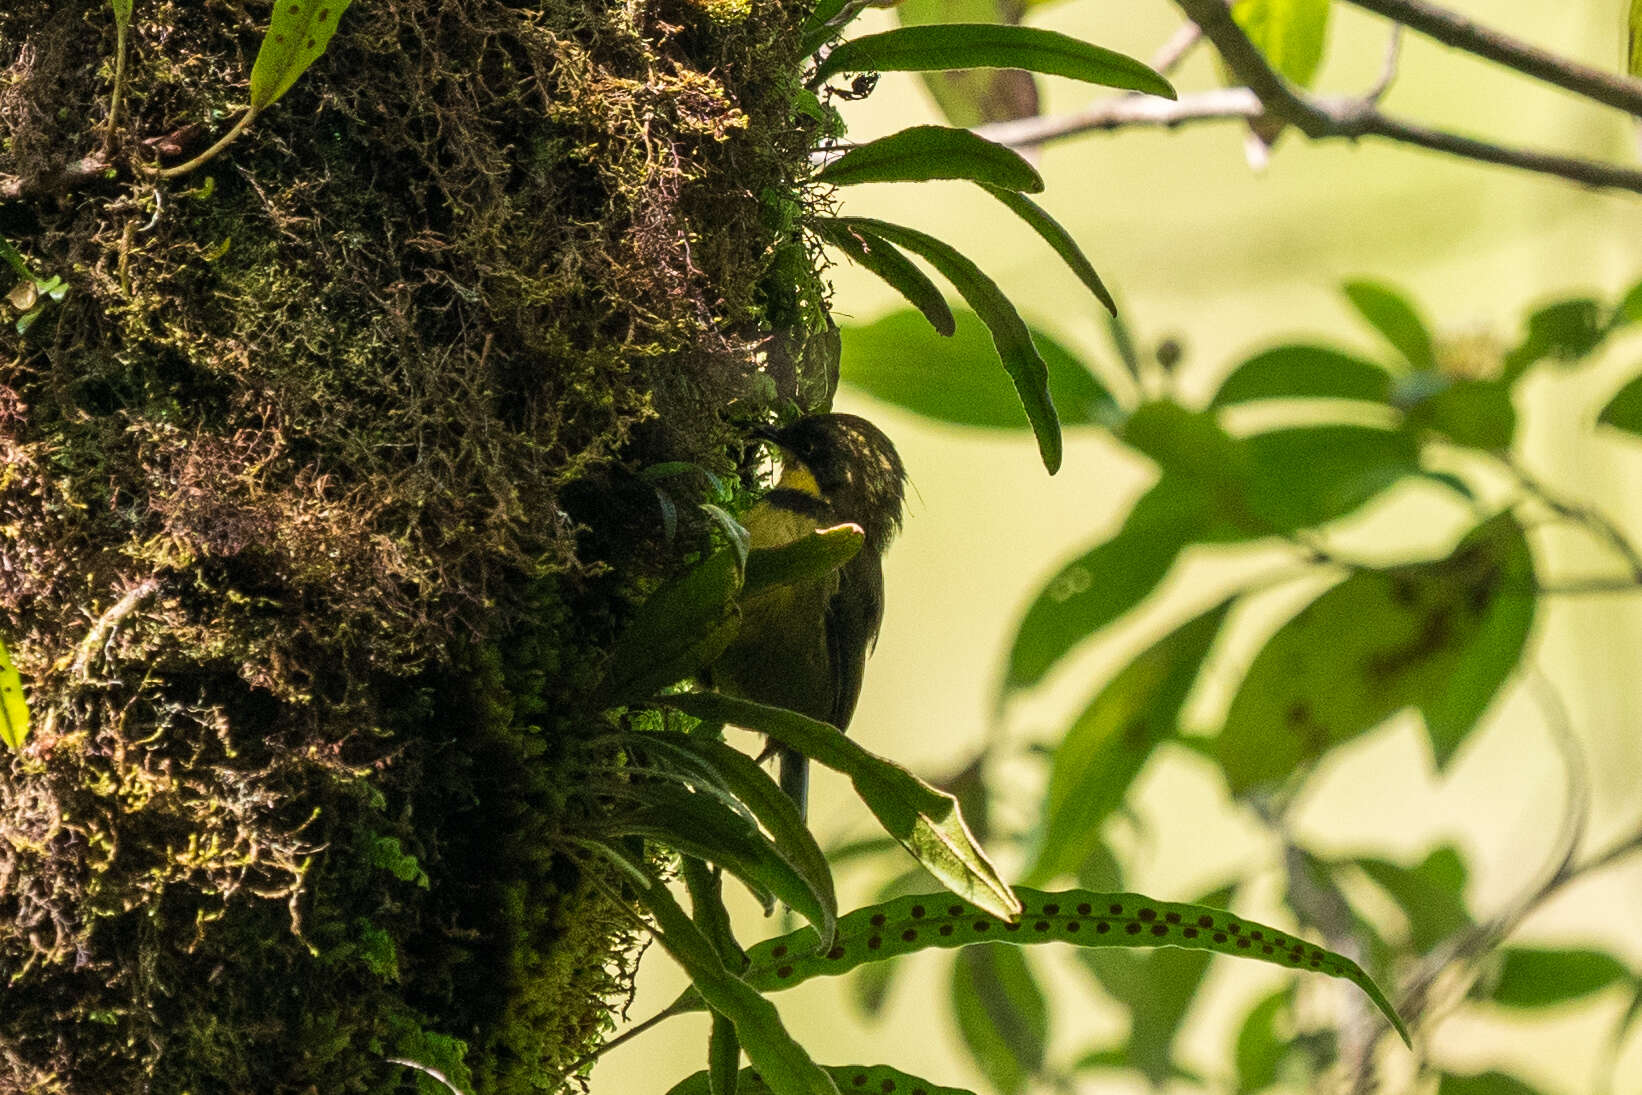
319 502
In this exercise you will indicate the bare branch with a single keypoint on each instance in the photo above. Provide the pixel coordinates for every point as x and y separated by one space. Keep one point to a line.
1388 72
1127 110
1456 30
1174 51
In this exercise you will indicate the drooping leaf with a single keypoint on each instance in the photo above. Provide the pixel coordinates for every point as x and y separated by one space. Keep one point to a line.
1109 744
723 1057
1310 475
820 27
14 708
1629 308
1083 918
298 33
1624 410
1290 33
1010 334
927 152
1304 372
1566 331
991 45
1058 238
122 12
974 96
873 1078
1001 1012
897 271
1260 1046
925 820
1533 977
1484 1083
1391 314
956 380
1475 413
702 826
774 1053
811 556
1431 894
683 626
1442 636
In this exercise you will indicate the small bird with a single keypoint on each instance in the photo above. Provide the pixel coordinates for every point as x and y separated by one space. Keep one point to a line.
804 646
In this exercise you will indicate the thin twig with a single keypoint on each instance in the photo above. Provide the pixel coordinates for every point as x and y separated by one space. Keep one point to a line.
1583 514
1127 110
102 632
1456 30
1388 70
1171 53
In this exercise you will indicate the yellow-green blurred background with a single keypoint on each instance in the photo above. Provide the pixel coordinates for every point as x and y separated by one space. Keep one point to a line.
1199 247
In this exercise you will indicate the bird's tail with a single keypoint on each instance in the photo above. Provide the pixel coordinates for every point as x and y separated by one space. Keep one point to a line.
795 778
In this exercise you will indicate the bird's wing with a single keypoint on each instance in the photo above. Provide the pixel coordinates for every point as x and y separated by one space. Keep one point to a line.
853 616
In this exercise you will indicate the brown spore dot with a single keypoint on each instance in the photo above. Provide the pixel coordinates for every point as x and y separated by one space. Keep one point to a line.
1115 909
887 1086
783 972
1173 918
1040 926
1315 962
295 9
1147 915
1205 921
279 39
324 14
1266 948
311 43
859 1080
1102 927
1243 941
1084 908
874 942
954 910
1160 929
837 952
920 1091
1132 928
1073 925
946 929
1051 909
1257 935
909 935
1279 941
1189 933
917 912
1234 928
877 920
983 925
1219 937
1012 926
779 952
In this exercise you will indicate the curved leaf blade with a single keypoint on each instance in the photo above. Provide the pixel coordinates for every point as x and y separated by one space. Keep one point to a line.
297 35
1002 1015
991 45
1391 314
925 152
1534 978
812 556
897 271
1290 33
683 626
1058 238
925 820
1010 334
14 708
1304 372
1624 410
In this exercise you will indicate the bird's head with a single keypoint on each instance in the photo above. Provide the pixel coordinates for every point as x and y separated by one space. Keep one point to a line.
852 465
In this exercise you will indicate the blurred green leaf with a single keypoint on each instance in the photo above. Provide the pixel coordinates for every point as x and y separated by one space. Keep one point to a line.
1629 308
1624 410
683 626
1189 443
871 1078
1391 314
1058 238
1260 1046
924 819
819 27
1001 1012
866 249
972 97
991 45
1568 330
1112 739
1290 33
926 152
723 1057
1311 475
1475 413
1009 332
14 708
1533 977
957 380
122 12
1304 372
1431 894
811 556
1442 636
1484 1083
298 32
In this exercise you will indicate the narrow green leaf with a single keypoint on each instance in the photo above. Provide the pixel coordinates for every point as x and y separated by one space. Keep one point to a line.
1633 40
1109 744
1001 1012
926 152
122 12
683 626
957 379
1083 918
783 1063
1475 413
1532 977
1009 332
1431 894
898 272
811 556
974 96
1260 1048
1629 308
1290 33
754 788
925 820
991 45
1056 237
1391 314
723 1057
1109 579
1484 1083
702 826
1624 410
873 1078
1304 372
1442 635
297 35
14 708
1565 331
